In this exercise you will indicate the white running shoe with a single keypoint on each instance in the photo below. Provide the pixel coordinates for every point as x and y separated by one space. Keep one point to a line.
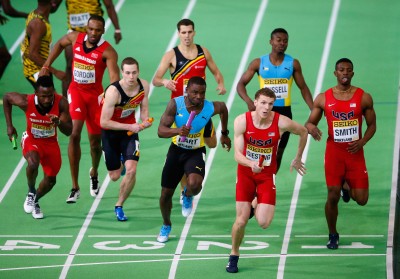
73 196
163 236
94 185
29 203
37 212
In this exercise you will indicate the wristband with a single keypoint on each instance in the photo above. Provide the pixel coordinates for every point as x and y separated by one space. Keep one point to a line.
117 31
225 133
47 68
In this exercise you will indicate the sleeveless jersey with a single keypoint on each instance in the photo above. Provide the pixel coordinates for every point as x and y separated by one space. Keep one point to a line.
88 67
195 139
344 118
186 68
78 13
39 126
30 67
259 142
277 78
124 112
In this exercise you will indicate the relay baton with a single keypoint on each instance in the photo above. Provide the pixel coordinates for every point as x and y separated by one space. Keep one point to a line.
189 123
261 160
14 142
150 119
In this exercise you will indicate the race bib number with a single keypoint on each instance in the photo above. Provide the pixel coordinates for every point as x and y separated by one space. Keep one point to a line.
84 74
79 20
127 112
280 86
346 130
42 131
254 153
192 141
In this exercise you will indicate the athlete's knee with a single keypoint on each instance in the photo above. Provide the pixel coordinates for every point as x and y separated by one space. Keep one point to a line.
51 181
131 172
362 201
333 196
166 194
75 137
264 223
241 223
193 188
32 163
114 176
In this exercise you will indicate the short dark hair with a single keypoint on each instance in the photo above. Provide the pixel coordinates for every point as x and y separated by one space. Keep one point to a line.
346 60
44 81
279 30
196 80
185 22
129 61
265 92
97 18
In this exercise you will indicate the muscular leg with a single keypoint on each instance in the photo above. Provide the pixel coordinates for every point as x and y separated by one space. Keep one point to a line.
5 58
68 70
166 204
128 182
238 228
95 152
331 208
193 185
74 151
45 186
33 161
264 214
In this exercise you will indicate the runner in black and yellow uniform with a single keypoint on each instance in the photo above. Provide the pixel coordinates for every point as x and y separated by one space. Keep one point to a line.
35 47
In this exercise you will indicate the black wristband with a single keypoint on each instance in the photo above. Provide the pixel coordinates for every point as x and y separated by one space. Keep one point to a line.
225 133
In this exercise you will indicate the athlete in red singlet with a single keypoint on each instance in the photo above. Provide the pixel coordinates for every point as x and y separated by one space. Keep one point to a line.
345 171
257 133
92 55
45 111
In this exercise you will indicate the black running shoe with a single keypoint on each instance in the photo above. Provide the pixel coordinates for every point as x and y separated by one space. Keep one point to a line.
333 242
94 185
345 195
251 213
73 196
232 267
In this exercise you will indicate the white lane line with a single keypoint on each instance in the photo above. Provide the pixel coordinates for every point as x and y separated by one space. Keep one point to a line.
12 50
12 178
210 157
299 178
393 193
197 257
96 202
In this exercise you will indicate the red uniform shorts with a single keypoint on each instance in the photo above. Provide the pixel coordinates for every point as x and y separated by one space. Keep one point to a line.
49 153
249 184
340 166
86 107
